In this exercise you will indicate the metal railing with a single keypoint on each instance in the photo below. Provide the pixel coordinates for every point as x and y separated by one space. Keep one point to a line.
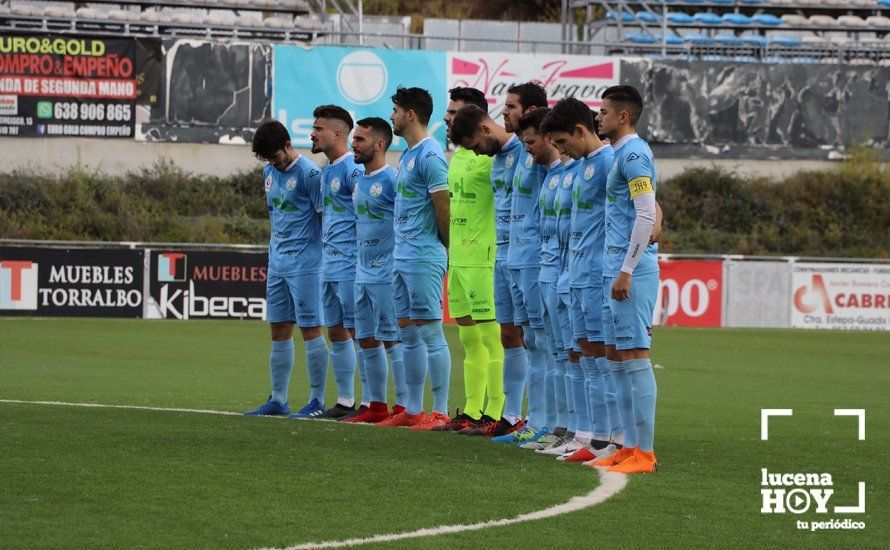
263 247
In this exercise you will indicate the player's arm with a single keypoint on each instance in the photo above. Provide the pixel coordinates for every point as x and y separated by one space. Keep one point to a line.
658 219
639 180
435 173
442 204
313 187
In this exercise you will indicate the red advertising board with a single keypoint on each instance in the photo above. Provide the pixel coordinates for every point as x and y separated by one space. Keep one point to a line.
690 294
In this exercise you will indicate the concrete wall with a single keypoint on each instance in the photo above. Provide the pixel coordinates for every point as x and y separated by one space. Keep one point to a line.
119 156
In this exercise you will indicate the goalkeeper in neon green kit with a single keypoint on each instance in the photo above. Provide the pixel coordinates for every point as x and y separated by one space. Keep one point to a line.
471 278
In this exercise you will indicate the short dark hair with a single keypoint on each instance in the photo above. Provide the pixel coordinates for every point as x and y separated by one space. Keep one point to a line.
415 99
596 125
269 138
629 98
335 112
470 96
531 94
466 123
379 127
533 119
566 114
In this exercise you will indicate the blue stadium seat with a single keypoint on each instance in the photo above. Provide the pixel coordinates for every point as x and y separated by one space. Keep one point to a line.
774 59
693 1
766 19
729 40
745 59
640 38
646 17
717 58
736 19
680 18
786 40
884 2
754 39
671 39
707 18
722 1
626 17
699 39
805 60
751 1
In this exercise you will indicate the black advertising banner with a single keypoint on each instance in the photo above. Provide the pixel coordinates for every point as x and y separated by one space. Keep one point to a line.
52 85
71 282
213 92
209 285
760 110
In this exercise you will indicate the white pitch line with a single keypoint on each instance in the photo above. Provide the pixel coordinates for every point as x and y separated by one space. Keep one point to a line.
104 406
612 484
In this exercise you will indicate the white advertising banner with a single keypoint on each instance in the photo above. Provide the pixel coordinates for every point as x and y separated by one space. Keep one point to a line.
840 296
581 76
758 293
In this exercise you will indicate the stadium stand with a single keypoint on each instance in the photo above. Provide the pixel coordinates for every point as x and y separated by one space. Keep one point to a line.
780 31
828 31
280 20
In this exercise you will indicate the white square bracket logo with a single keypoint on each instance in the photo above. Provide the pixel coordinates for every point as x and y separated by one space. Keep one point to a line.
799 492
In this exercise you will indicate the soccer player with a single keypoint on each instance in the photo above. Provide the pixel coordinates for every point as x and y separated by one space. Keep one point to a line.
574 376
375 318
420 259
547 256
473 129
293 286
524 259
471 277
330 132
572 128
630 277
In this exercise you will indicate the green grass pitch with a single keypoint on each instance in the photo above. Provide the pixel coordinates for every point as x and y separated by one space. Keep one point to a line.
96 478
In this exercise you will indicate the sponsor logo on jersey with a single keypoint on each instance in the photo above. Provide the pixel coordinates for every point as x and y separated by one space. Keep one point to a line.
268 183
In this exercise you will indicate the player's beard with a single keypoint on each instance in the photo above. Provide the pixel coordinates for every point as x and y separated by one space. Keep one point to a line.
397 128
363 157
491 147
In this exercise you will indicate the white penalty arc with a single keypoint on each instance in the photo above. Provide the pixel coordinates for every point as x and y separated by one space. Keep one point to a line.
610 485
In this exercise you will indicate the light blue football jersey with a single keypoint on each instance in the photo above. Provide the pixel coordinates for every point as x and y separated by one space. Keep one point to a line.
632 173
525 229
338 219
374 199
503 167
588 219
423 170
294 200
550 254
564 220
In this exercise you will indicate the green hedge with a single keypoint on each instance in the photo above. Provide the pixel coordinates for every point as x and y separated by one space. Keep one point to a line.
843 212
161 204
840 212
